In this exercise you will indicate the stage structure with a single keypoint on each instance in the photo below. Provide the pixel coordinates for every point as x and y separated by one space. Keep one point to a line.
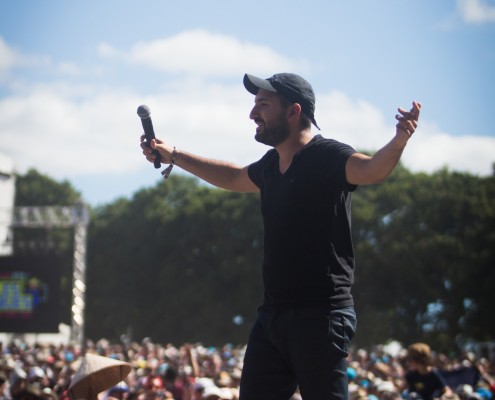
7 193
76 217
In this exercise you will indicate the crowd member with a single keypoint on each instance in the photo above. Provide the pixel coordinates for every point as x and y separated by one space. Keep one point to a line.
369 379
422 378
3 386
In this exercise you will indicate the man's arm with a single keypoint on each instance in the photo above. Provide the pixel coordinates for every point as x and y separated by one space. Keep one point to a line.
363 170
222 174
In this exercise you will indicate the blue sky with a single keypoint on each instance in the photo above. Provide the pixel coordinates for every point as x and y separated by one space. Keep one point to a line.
72 74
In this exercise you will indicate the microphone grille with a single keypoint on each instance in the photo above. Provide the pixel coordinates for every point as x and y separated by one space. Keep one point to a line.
143 111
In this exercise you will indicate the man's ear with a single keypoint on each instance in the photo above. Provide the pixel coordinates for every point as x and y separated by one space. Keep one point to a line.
295 110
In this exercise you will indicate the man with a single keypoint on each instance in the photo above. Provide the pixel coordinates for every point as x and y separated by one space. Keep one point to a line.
303 329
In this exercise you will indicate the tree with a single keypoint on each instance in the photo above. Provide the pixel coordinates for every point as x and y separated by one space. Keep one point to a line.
422 242
179 262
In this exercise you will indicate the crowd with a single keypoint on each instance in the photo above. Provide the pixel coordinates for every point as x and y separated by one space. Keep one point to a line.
196 372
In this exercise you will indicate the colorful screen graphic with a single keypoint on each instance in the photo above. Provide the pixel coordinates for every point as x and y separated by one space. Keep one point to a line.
29 294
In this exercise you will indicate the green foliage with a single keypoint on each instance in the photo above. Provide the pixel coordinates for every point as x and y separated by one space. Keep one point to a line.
424 249
178 261
36 189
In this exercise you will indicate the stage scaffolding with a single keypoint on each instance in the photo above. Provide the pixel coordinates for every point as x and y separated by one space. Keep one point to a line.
76 216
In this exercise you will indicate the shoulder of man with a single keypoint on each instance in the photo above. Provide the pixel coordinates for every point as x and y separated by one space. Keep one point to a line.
326 144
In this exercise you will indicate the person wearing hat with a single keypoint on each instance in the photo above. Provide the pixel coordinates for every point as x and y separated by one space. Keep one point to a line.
18 382
95 375
302 332
3 386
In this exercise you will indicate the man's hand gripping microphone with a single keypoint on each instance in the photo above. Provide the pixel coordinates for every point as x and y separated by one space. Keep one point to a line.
144 113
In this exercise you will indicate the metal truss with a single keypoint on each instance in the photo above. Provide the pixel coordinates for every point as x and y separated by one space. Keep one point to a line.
65 217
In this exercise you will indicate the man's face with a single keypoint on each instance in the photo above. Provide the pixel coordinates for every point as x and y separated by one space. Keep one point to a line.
270 116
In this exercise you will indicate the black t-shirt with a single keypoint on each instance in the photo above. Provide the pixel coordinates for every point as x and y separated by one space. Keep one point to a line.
427 385
308 251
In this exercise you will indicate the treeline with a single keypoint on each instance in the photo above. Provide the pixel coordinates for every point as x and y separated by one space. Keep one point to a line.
180 261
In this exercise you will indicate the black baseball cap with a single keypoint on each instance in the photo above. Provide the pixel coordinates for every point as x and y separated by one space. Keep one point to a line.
295 88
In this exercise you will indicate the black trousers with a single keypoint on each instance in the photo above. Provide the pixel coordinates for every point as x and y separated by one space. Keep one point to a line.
298 347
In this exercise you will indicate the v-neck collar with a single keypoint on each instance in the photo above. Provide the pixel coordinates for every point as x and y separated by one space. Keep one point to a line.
313 140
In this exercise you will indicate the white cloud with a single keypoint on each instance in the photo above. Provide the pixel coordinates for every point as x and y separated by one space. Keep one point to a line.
8 57
476 11
11 58
202 53
107 50
357 123
69 130
53 129
431 149
50 129
47 130
364 127
68 68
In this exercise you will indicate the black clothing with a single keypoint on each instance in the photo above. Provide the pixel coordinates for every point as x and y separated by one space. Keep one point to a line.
426 385
298 347
308 251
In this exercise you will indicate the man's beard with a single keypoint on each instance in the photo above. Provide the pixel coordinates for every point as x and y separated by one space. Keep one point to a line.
274 134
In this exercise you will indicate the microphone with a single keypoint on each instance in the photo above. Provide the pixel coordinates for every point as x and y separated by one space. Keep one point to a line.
144 113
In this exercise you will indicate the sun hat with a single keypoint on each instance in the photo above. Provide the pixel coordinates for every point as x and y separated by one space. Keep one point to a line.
95 375
221 393
211 391
294 87
36 372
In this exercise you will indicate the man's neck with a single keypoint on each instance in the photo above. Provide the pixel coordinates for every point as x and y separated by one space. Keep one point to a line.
291 146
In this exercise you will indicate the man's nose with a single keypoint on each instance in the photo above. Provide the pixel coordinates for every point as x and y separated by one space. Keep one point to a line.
253 113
